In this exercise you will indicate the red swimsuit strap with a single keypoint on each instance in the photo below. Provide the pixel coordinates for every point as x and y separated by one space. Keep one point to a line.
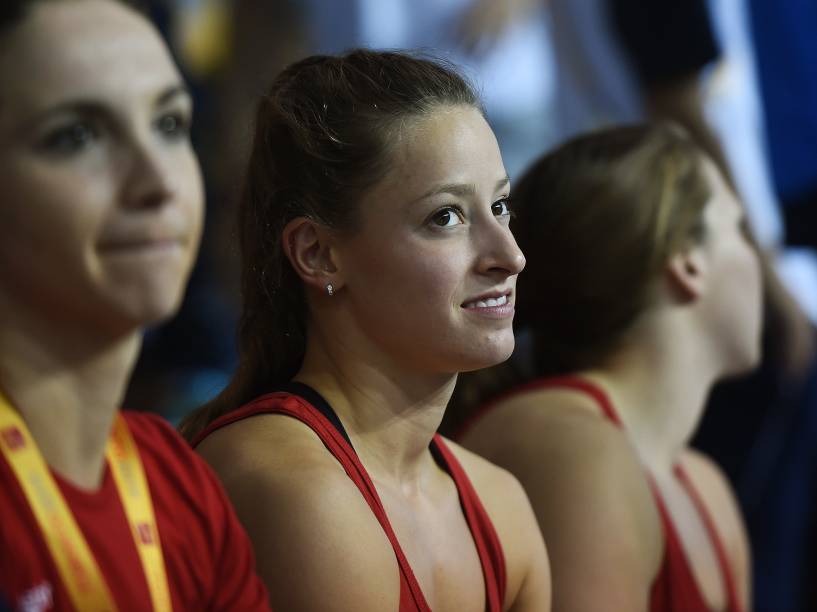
570 382
606 406
489 548
733 604
486 540
298 408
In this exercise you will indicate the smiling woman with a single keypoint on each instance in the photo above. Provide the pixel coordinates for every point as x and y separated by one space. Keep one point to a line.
99 227
377 264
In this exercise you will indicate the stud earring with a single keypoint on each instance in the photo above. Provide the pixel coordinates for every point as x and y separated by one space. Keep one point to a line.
330 290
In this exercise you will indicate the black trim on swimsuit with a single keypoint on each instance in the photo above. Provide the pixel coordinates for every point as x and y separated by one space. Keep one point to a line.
317 400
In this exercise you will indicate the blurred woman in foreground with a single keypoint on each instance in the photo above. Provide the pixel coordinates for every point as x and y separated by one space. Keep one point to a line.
99 227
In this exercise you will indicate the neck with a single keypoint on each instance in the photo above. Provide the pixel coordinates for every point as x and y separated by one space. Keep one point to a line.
389 412
67 384
659 386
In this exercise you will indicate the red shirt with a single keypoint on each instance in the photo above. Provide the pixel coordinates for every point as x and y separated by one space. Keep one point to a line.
310 408
209 562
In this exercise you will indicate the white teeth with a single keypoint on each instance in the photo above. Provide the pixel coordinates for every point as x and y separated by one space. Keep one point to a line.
489 303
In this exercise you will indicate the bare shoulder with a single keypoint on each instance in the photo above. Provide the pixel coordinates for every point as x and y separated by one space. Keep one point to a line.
557 435
705 473
712 485
262 441
576 466
486 476
722 506
312 530
507 505
589 493
499 490
502 495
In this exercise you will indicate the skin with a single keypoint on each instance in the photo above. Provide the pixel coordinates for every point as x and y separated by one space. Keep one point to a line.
101 218
384 350
585 476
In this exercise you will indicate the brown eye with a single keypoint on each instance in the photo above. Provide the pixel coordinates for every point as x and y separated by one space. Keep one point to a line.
447 217
500 208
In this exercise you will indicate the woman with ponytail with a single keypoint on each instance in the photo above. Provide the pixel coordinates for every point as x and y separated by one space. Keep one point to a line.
377 263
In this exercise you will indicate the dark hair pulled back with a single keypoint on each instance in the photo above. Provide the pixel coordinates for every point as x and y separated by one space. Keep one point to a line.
323 136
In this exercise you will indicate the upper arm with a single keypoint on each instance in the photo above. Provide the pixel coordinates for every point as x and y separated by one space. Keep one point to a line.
593 505
236 583
725 512
317 544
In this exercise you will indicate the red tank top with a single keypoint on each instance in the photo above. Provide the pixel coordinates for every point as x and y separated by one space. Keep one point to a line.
303 403
675 588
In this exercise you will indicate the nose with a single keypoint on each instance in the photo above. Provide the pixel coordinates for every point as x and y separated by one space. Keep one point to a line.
149 180
499 253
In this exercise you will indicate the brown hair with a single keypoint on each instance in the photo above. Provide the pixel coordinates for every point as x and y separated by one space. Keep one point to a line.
597 219
322 137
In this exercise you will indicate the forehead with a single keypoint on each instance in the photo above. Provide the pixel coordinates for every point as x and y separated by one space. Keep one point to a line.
449 145
79 48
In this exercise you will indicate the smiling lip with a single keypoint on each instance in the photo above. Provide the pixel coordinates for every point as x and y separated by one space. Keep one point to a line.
494 305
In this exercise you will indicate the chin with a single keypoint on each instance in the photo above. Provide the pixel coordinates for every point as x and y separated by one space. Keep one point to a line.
156 312
747 361
487 356
147 308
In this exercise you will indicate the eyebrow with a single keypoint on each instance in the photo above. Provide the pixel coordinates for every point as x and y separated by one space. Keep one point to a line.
93 107
171 92
461 190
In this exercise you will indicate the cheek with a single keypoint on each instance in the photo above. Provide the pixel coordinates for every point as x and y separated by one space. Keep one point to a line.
748 269
46 254
191 194
47 218
744 284
415 277
757 280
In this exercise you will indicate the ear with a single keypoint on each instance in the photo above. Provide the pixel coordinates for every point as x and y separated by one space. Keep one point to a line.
687 273
309 248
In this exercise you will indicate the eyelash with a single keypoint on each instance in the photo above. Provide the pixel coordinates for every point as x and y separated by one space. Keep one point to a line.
503 202
438 214
70 138
508 210
75 136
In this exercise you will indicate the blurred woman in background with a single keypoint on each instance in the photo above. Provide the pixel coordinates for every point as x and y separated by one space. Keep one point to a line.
100 224
377 264
641 290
